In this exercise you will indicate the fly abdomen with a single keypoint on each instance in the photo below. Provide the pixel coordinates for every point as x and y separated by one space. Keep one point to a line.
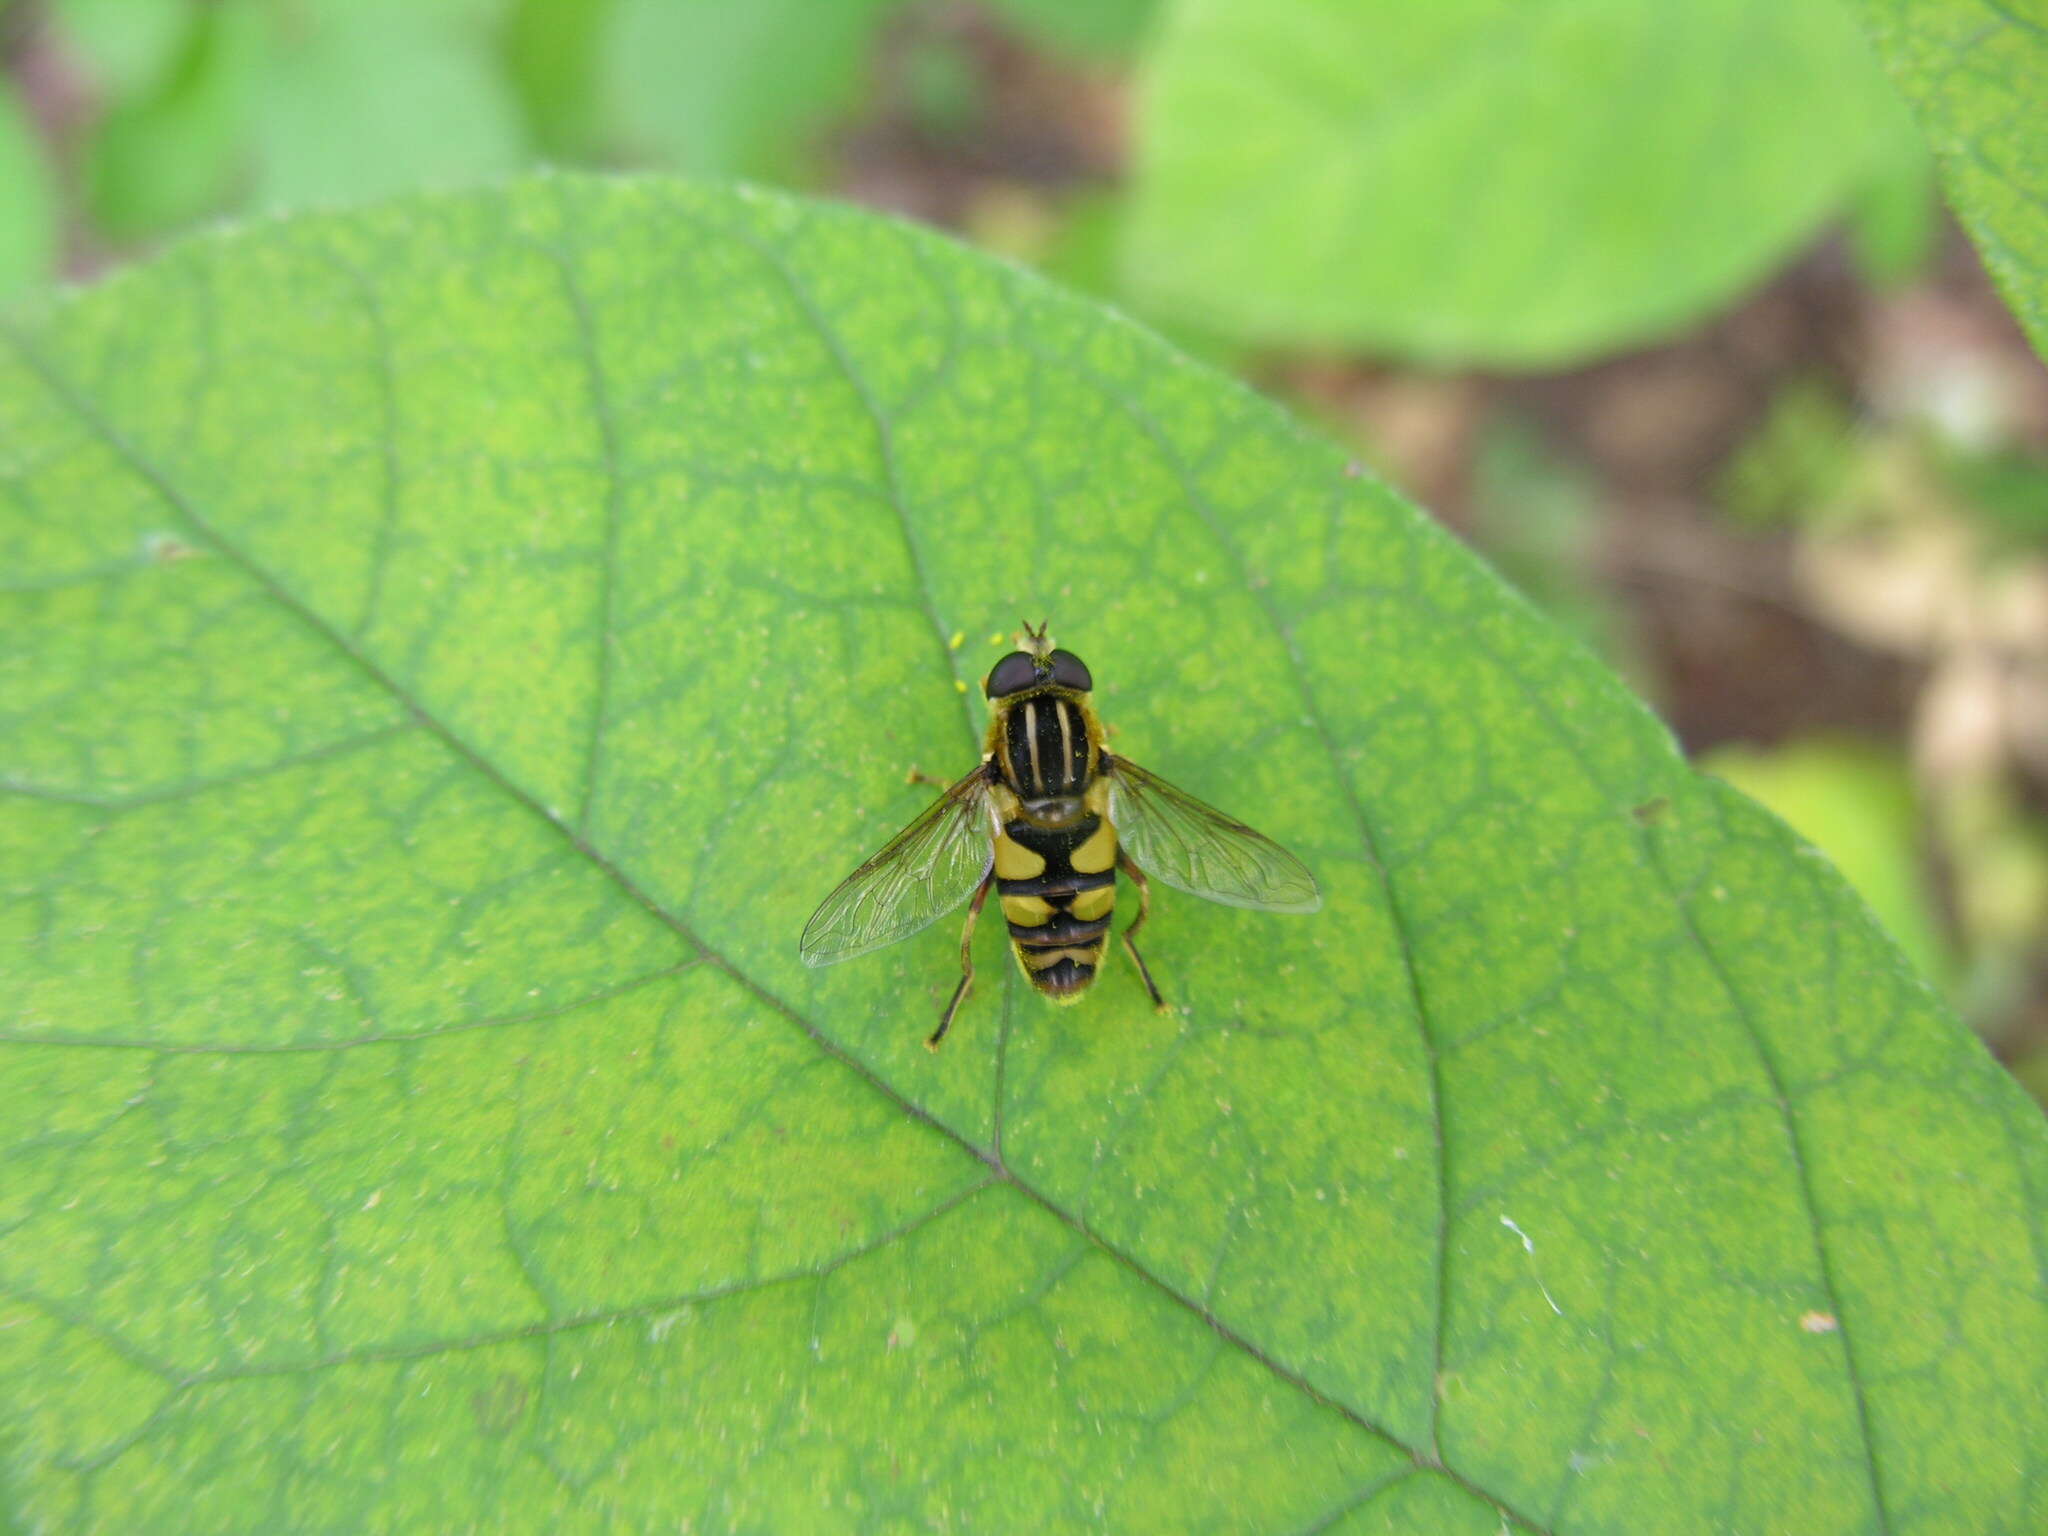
1058 930
1058 886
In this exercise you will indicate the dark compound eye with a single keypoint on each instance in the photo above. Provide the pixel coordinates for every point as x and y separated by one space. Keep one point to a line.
1070 671
1013 674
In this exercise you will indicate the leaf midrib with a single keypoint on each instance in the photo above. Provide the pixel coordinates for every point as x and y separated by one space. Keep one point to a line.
145 469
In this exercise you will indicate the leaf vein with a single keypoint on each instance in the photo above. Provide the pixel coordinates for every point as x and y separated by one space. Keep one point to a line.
1368 834
1740 1009
351 1042
154 477
115 804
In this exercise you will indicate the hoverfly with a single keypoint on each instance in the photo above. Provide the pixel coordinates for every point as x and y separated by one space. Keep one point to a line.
1047 819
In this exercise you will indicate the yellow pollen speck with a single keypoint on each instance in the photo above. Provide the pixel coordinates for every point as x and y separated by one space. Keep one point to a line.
998 638
959 639
959 686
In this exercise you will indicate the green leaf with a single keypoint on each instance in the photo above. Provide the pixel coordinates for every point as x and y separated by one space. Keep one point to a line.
1854 801
360 98
717 88
125 43
1895 218
1485 180
280 103
28 206
1976 72
554 52
449 649
177 148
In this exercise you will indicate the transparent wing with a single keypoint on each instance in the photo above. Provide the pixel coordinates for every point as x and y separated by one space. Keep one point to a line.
1196 848
921 874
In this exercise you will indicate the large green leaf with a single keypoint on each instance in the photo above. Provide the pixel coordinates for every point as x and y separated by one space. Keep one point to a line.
1976 72
448 650
1490 179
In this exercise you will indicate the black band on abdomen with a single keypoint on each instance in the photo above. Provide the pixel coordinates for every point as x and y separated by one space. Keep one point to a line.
1063 884
1062 930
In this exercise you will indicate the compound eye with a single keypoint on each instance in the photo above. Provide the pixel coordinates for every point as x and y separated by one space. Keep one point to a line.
1013 674
1070 671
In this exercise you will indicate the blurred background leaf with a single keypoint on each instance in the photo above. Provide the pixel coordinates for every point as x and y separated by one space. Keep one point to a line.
361 98
177 146
1489 181
710 87
554 53
28 216
1894 216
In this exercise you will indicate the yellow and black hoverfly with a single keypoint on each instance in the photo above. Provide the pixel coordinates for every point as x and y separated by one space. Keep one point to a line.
1047 818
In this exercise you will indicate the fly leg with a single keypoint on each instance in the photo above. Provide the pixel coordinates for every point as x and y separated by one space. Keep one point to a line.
966 965
1144 910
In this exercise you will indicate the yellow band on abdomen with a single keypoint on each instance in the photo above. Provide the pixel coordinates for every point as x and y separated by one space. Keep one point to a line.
1090 905
1016 862
1027 911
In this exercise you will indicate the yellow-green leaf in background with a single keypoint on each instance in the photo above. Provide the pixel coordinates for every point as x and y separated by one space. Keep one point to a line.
447 651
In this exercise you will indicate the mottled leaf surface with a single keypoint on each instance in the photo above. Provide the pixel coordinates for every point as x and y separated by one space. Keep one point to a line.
1492 180
1976 72
448 650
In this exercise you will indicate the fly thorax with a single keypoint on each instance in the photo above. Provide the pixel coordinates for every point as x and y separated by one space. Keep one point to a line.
1045 749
